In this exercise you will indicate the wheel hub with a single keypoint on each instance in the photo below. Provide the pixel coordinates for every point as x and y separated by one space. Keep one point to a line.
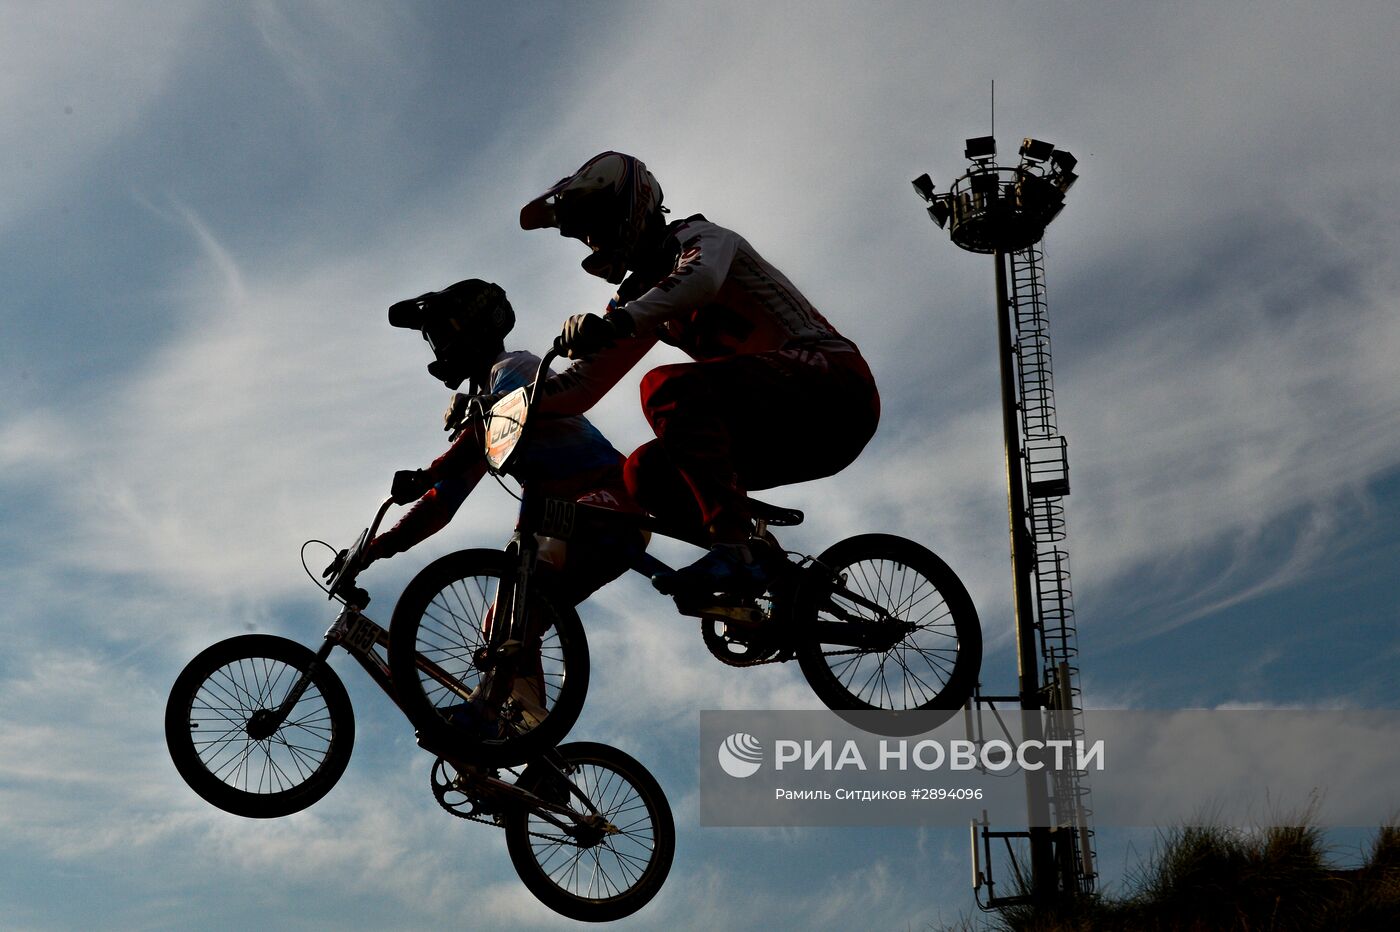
883 636
262 724
591 832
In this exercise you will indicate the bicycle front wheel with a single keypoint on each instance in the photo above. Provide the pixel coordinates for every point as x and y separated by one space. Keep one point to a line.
615 853
438 638
231 745
885 624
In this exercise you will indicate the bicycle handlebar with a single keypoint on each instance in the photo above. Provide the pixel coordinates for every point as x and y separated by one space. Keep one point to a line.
378 519
350 566
550 355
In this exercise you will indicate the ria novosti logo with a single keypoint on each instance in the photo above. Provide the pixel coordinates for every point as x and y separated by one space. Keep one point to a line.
741 755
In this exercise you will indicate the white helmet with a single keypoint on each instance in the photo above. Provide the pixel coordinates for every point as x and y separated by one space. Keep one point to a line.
606 204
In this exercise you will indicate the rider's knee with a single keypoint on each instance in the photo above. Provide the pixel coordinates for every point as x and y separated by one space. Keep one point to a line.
665 387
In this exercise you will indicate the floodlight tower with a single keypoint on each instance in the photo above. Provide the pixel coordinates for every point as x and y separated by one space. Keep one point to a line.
1003 212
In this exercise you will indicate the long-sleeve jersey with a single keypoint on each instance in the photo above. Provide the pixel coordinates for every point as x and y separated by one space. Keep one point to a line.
720 298
566 455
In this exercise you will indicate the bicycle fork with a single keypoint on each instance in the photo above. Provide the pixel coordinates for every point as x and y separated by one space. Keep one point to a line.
505 642
264 723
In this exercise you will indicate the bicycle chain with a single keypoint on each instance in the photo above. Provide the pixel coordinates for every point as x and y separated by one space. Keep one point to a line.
552 839
491 820
825 653
782 656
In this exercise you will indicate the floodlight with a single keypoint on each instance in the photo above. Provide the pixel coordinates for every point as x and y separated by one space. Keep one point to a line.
1033 193
1065 180
924 186
1063 161
938 212
981 148
1034 150
983 183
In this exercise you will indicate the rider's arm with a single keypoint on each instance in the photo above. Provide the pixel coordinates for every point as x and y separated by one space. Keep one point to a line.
454 474
706 253
579 387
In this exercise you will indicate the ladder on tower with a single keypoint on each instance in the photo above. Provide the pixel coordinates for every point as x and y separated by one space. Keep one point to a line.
1046 466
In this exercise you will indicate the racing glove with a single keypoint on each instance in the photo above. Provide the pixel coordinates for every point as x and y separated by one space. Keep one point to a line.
329 572
454 419
585 334
345 586
459 411
409 485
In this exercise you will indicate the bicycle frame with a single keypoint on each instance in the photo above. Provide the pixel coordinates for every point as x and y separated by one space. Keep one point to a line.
363 639
560 519
504 430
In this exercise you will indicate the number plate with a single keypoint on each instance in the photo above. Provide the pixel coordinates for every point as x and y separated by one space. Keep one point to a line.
504 429
362 635
558 520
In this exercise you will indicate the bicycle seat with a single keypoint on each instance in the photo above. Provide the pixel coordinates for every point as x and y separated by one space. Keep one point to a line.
774 514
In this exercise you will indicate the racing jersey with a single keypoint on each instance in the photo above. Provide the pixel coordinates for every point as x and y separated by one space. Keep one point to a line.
719 298
565 456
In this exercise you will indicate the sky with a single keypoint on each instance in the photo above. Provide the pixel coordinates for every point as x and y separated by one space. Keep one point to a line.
206 209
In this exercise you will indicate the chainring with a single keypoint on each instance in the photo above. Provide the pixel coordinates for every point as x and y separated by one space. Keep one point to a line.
448 791
737 648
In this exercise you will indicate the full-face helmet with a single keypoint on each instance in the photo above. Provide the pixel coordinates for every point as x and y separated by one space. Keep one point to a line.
607 204
464 325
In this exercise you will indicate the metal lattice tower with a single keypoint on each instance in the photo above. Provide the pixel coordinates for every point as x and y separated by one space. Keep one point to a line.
1047 483
1003 211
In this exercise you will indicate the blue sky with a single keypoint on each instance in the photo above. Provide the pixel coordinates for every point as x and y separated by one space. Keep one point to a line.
206 208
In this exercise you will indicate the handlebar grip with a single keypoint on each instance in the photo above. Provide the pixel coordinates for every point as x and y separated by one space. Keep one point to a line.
409 486
553 353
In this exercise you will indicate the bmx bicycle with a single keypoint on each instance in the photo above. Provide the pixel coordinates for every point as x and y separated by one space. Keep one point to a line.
875 622
261 726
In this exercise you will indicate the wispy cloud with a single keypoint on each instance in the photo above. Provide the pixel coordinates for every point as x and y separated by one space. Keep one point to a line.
1222 292
74 83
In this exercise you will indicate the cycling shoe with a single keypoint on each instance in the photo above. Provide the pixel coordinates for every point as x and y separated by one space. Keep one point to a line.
730 569
476 720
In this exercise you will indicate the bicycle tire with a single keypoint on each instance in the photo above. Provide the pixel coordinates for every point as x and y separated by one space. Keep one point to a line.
210 710
436 629
622 872
933 667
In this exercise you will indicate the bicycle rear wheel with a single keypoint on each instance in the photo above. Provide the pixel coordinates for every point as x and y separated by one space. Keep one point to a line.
440 627
599 872
885 624
229 747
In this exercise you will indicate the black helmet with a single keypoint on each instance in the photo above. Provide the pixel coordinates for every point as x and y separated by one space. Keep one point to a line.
464 325
606 204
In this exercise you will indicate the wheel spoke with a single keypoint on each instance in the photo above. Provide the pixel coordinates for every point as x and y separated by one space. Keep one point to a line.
912 673
605 870
228 699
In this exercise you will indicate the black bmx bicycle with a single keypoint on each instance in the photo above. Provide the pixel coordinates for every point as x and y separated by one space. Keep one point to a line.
262 727
875 622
